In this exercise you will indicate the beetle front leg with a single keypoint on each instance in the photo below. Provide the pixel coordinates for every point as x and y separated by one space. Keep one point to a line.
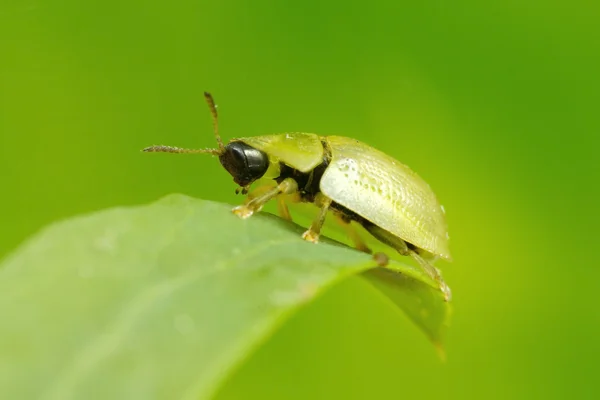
287 186
312 234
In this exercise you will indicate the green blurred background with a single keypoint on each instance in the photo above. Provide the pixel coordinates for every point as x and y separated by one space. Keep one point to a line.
494 103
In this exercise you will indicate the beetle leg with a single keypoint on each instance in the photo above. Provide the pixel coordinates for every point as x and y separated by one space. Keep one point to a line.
402 248
434 273
283 209
259 191
352 234
287 186
312 234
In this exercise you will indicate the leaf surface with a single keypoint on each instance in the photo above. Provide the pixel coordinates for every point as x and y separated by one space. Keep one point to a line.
166 300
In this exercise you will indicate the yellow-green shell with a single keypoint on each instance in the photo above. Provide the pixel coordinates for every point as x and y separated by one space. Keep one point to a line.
385 192
368 182
301 151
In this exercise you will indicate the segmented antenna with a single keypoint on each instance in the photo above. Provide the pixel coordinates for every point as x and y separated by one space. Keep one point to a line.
171 149
215 117
216 152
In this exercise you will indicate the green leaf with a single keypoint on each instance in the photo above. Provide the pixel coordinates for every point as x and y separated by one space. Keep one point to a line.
165 300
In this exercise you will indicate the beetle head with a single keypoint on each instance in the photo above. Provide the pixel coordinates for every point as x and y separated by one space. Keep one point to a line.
245 163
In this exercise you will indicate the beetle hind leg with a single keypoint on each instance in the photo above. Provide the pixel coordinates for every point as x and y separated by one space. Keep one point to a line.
255 204
433 272
345 223
402 248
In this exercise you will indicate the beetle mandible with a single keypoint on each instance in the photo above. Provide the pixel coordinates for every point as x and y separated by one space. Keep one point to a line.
340 175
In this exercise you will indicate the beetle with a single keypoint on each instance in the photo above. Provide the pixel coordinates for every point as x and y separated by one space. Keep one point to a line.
351 179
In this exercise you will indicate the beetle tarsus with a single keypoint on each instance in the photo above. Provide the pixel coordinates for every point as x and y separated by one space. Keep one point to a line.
243 211
288 186
381 259
446 291
312 234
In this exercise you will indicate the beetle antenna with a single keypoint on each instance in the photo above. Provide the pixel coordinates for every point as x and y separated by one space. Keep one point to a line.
215 152
215 117
171 149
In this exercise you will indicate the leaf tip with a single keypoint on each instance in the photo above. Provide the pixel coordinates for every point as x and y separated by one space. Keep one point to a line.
439 347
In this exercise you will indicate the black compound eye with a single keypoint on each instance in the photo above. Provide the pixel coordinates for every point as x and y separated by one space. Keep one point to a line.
245 163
